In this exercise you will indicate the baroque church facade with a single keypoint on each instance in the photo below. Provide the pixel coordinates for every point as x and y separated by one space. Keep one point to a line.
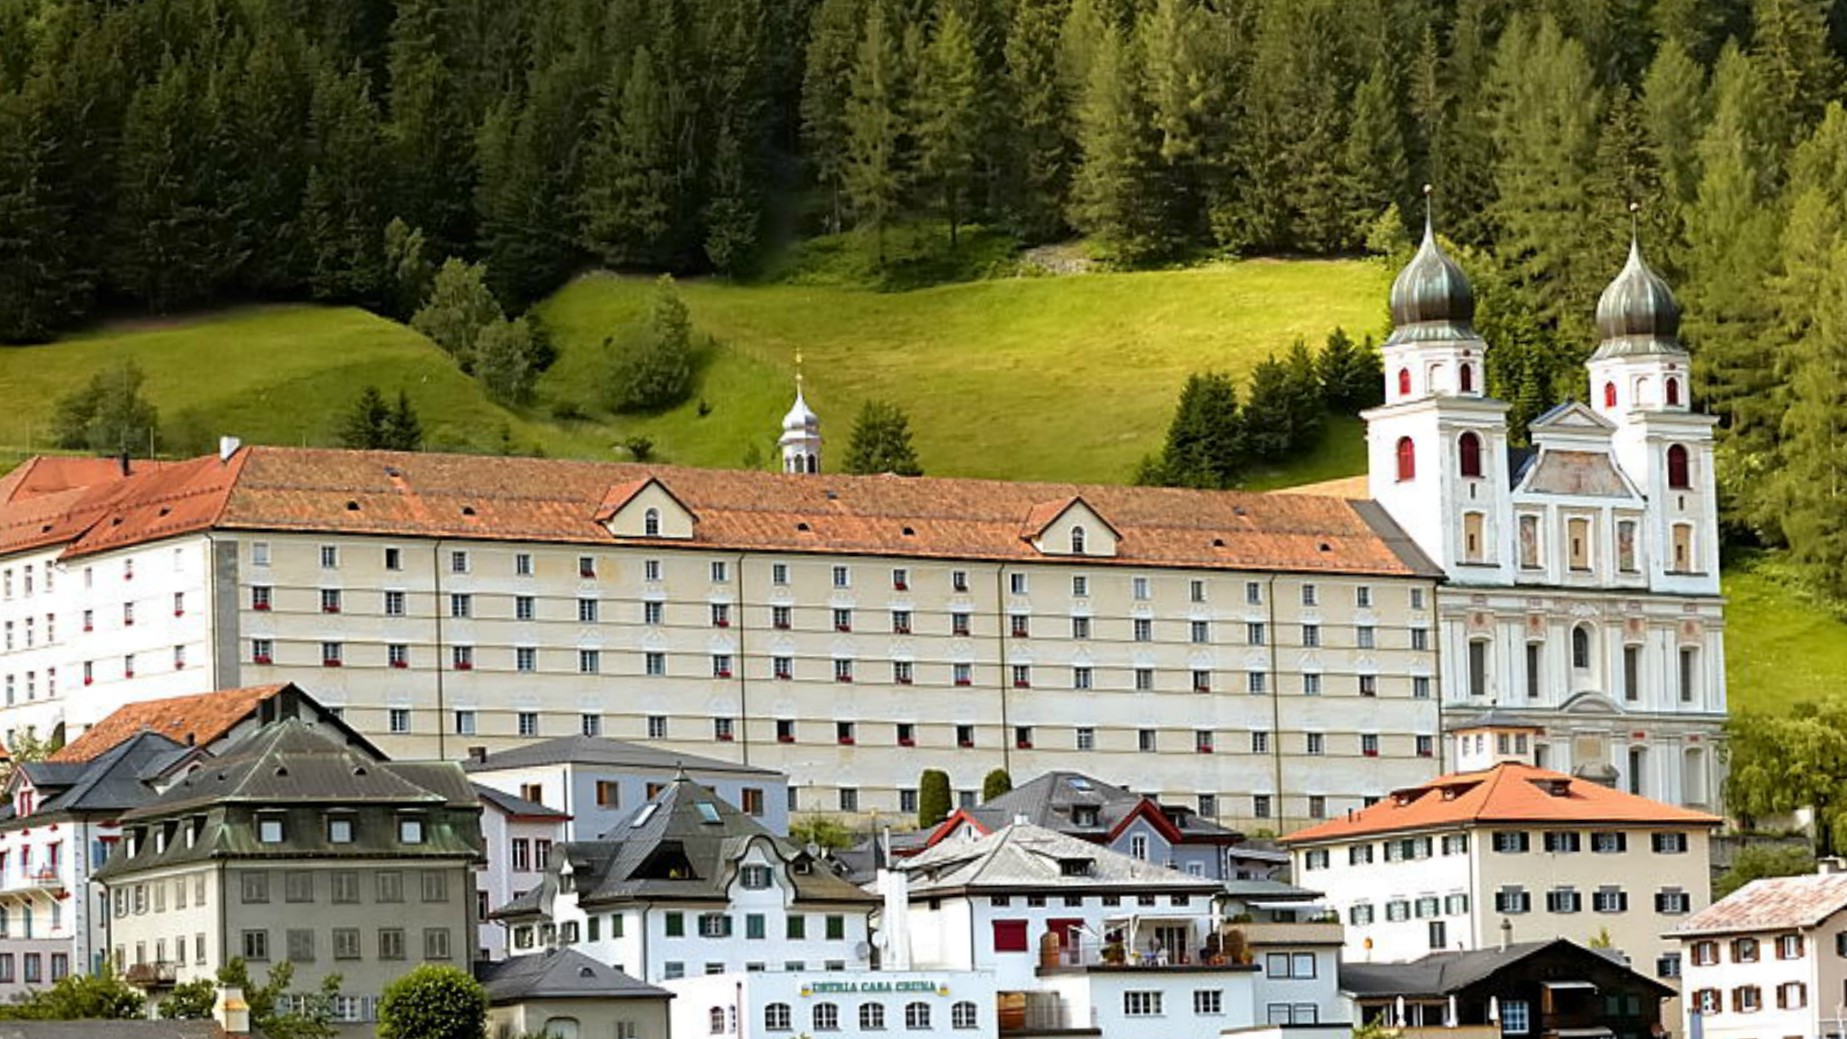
1581 593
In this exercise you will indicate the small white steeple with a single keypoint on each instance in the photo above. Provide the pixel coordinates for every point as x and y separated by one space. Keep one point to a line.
801 432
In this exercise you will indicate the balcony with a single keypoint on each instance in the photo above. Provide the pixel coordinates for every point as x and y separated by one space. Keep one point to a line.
1262 934
45 879
150 975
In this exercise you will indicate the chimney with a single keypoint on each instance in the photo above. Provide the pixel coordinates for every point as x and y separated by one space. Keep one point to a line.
1831 864
478 755
227 446
232 1012
122 460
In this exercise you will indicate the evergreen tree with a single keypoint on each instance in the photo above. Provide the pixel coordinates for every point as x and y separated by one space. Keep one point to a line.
996 783
1307 404
1114 195
833 49
1205 439
44 284
1624 174
1349 372
933 798
1732 232
881 442
1269 412
1040 106
343 209
403 431
1547 108
262 159
874 177
408 272
1294 111
1184 99
1375 166
428 131
1789 44
365 424
948 122
1674 109
169 242
109 415
632 178
733 207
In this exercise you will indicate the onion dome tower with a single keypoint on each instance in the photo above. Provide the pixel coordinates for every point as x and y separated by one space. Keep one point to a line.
1639 363
1433 350
801 432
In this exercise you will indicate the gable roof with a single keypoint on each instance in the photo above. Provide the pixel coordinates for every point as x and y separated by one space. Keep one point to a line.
518 807
1053 800
205 718
1510 792
1571 415
619 495
560 974
1771 904
681 845
1586 474
578 749
1046 513
1021 856
108 784
537 499
1447 973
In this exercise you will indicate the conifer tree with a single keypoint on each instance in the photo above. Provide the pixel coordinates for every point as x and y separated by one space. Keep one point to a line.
168 240
875 177
1041 143
733 204
1307 401
343 216
364 427
1375 167
1547 108
1114 194
833 48
1814 467
43 282
1789 44
631 180
1674 109
1205 439
428 131
881 442
1269 412
948 123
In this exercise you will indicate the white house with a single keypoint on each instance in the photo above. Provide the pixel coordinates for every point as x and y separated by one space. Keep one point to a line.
518 837
689 885
1770 959
850 1005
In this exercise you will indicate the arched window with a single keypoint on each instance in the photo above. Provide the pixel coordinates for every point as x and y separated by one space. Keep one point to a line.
776 1018
1077 541
1407 459
814 463
1468 454
1466 378
871 1017
563 1027
1673 392
1609 394
651 523
717 1016
964 1015
1404 382
1580 647
917 1016
827 1017
1677 476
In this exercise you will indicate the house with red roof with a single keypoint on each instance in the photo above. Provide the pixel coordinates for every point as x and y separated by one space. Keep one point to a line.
1510 852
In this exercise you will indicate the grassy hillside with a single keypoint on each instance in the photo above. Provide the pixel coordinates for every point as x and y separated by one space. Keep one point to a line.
1783 644
1042 378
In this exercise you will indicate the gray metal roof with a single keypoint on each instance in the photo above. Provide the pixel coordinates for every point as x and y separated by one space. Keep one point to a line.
1026 856
681 846
109 783
560 974
1051 801
597 750
1446 973
519 806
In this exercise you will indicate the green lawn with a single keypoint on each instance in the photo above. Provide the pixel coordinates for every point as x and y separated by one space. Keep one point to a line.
1067 378
1783 644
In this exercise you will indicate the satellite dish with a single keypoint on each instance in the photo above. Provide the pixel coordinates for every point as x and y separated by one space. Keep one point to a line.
863 950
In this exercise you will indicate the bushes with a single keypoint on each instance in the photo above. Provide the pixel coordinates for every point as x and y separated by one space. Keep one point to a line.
433 1002
652 364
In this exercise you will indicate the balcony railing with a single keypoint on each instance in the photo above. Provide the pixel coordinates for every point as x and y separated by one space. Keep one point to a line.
45 878
151 973
1090 955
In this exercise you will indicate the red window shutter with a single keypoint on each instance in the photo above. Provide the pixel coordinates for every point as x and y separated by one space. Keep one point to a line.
1010 936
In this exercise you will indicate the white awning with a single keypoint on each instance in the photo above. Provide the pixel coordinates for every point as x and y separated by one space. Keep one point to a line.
1308 906
1577 985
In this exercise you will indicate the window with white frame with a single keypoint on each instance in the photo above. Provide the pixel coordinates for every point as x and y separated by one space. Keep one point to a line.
1138 1003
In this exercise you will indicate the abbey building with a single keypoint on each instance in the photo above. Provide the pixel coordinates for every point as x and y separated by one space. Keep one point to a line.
1264 660
1581 589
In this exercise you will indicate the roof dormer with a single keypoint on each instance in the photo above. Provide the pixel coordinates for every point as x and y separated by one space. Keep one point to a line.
645 508
1070 527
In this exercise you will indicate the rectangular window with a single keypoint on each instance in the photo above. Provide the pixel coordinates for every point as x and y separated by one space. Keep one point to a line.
1689 674
330 602
1200 631
1311 635
1478 667
1139 587
1144 629
1144 679
522 564
1253 593
524 607
1080 586
1081 678
1255 634
1311 684
332 654
721 571
779 573
256 945
1141 1004
958 623
1086 738
330 557
657 726
398 720
464 723
655 664
528 723
436 943
589 661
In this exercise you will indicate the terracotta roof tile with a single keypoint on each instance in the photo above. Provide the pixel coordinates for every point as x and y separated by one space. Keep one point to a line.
1773 904
197 719
531 499
1506 793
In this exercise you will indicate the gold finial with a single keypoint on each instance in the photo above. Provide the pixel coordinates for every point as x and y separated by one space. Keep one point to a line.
798 369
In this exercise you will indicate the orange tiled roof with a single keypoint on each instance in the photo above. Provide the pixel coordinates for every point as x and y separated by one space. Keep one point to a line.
1506 793
534 499
197 719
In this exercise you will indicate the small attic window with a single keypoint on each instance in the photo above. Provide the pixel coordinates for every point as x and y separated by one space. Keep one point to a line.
909 533
1237 510
642 817
1073 867
803 526
166 510
1325 547
468 510
1077 541
1218 542
651 523
1080 783
586 972
116 521
831 496
392 471
352 506
708 812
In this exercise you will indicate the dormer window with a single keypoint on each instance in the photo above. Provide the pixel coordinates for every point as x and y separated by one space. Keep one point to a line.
1073 867
1077 541
340 829
651 523
23 803
1084 815
269 829
410 829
